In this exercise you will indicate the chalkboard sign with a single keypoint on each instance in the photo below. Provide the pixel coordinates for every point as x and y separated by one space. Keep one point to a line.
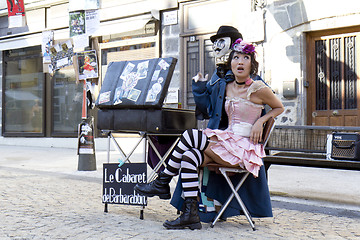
119 182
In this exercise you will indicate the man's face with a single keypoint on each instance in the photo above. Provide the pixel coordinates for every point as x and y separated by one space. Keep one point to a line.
221 46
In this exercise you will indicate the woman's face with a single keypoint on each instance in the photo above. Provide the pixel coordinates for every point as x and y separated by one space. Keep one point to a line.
241 65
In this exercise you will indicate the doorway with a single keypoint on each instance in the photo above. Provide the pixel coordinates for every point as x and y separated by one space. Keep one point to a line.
333 92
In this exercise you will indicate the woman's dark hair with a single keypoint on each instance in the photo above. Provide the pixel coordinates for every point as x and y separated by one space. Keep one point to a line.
254 63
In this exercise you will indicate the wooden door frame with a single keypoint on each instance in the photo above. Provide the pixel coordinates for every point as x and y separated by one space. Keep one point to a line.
310 65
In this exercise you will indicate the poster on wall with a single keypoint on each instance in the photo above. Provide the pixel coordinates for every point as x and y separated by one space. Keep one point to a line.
47 42
16 13
92 20
77 23
82 24
61 55
87 64
86 137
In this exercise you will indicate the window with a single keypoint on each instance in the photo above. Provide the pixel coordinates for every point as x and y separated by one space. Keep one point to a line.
127 50
30 106
338 71
67 100
199 58
200 20
24 92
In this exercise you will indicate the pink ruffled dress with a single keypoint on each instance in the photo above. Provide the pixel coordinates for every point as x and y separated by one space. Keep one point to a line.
233 144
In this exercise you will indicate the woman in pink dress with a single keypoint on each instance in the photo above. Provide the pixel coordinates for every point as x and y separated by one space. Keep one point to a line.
237 145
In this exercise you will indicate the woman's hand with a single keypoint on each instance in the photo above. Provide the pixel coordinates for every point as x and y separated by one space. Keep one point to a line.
256 132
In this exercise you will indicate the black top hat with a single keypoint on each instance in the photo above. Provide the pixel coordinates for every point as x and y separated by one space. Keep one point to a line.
226 31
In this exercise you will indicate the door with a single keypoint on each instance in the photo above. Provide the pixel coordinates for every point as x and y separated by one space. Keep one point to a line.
199 57
333 93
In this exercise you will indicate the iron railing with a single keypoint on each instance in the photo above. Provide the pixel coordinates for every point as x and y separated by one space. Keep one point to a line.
303 138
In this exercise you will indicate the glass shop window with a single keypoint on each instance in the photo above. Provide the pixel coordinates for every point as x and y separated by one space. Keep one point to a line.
66 103
144 48
31 107
24 92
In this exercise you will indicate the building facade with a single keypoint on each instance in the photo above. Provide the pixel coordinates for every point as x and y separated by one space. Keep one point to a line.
308 53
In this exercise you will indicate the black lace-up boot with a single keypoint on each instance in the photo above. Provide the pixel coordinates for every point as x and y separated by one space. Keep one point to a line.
159 187
188 219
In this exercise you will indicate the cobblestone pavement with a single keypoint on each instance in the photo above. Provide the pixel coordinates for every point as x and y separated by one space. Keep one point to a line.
46 205
43 196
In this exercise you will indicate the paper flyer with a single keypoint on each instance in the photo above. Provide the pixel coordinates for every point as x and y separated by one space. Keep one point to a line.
87 64
80 42
82 24
77 23
16 13
61 55
92 21
47 42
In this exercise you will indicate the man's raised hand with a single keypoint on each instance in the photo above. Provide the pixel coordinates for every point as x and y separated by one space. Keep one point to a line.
199 77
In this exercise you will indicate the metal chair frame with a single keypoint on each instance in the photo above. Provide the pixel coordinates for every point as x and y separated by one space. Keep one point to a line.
270 124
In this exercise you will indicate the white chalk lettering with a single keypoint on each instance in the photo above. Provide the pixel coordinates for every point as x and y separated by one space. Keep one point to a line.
106 179
129 178
110 196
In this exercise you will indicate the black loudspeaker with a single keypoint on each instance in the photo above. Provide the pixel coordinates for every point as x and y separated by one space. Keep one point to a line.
346 146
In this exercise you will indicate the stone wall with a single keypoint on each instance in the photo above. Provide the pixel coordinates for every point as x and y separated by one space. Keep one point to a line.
283 54
287 23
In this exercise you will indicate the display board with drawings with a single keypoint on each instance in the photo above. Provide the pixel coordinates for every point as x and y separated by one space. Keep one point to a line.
136 84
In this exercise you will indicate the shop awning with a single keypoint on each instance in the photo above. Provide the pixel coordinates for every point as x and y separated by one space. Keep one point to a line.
106 28
30 40
21 42
123 25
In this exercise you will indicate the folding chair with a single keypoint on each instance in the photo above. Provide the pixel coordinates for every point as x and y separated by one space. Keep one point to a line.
268 127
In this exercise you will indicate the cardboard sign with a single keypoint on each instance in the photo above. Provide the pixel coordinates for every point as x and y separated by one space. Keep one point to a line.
119 183
86 137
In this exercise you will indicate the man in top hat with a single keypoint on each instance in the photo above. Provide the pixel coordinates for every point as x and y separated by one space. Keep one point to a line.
222 41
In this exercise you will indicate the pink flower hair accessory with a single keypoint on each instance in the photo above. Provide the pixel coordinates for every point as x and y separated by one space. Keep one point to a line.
244 47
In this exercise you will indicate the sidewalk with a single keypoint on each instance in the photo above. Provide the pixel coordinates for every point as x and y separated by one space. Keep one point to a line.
331 185
43 196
